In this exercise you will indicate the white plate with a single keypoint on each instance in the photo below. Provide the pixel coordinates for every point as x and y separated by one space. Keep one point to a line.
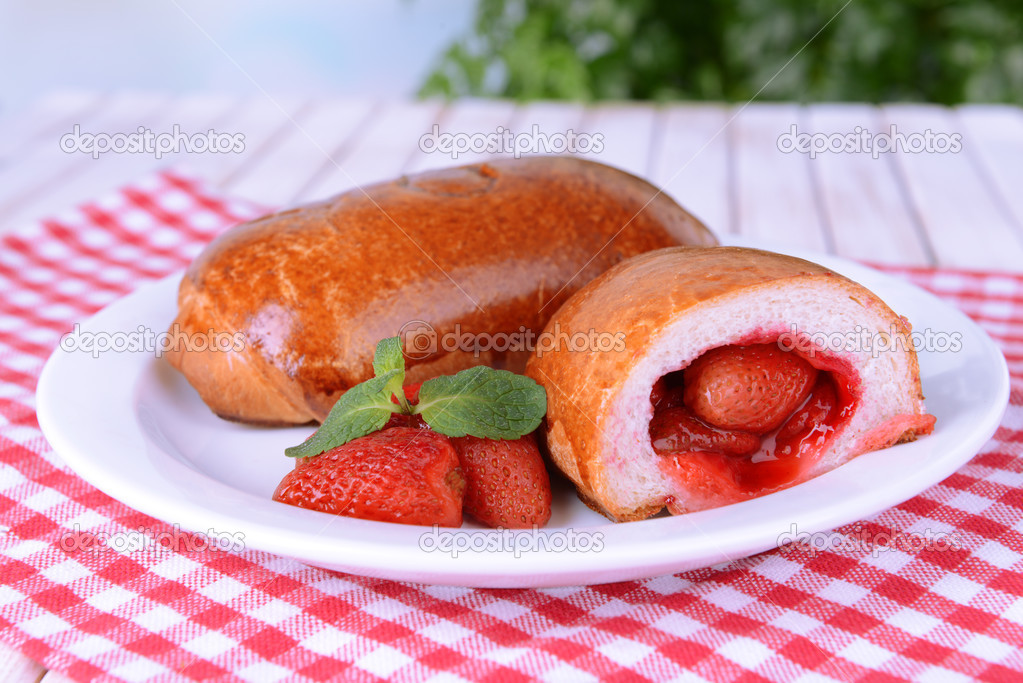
131 426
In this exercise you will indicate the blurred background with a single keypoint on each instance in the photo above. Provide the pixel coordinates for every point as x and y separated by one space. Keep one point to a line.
383 47
944 51
330 95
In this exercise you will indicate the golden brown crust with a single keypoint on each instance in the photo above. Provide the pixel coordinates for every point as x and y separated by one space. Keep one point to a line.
639 298
489 247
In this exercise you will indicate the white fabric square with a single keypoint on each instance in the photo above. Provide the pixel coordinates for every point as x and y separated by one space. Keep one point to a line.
507 655
334 585
110 201
139 669
668 584
746 652
92 646
729 599
383 661
158 619
865 654
612 608
10 477
9 595
264 671
625 652
504 610
988 649
938 675
174 567
568 674
796 622
205 220
327 641
44 499
110 599
66 572
44 625
174 200
957 588
445 632
843 592
389 609
224 590
913 622
275 611
137 220
210 645
996 554
20 551
678 625
777 568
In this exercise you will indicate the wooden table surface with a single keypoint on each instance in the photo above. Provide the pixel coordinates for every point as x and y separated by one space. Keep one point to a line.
960 209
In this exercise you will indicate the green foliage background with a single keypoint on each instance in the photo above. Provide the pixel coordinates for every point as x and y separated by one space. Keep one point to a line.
948 51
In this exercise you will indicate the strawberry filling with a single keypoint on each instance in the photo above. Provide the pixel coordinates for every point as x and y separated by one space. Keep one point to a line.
741 421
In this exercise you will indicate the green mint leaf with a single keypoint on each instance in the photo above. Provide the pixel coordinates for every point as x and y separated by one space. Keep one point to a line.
363 409
387 357
483 402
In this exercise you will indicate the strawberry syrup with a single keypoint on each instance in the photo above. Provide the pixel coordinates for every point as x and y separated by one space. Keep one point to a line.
722 476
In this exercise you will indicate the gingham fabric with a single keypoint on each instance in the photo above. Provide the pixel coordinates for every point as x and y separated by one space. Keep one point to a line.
931 613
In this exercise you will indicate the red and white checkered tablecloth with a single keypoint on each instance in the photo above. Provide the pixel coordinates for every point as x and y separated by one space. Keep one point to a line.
925 614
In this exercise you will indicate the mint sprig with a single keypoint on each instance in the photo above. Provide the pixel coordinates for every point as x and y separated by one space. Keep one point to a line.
388 357
361 410
479 401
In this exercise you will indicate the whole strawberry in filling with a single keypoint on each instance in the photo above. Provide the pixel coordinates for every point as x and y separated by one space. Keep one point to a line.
749 388
710 419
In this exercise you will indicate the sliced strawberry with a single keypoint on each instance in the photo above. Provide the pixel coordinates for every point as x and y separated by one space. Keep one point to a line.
677 430
667 391
809 426
402 474
506 481
749 388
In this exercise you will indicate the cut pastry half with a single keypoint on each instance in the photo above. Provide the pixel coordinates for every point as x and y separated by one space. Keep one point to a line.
734 373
